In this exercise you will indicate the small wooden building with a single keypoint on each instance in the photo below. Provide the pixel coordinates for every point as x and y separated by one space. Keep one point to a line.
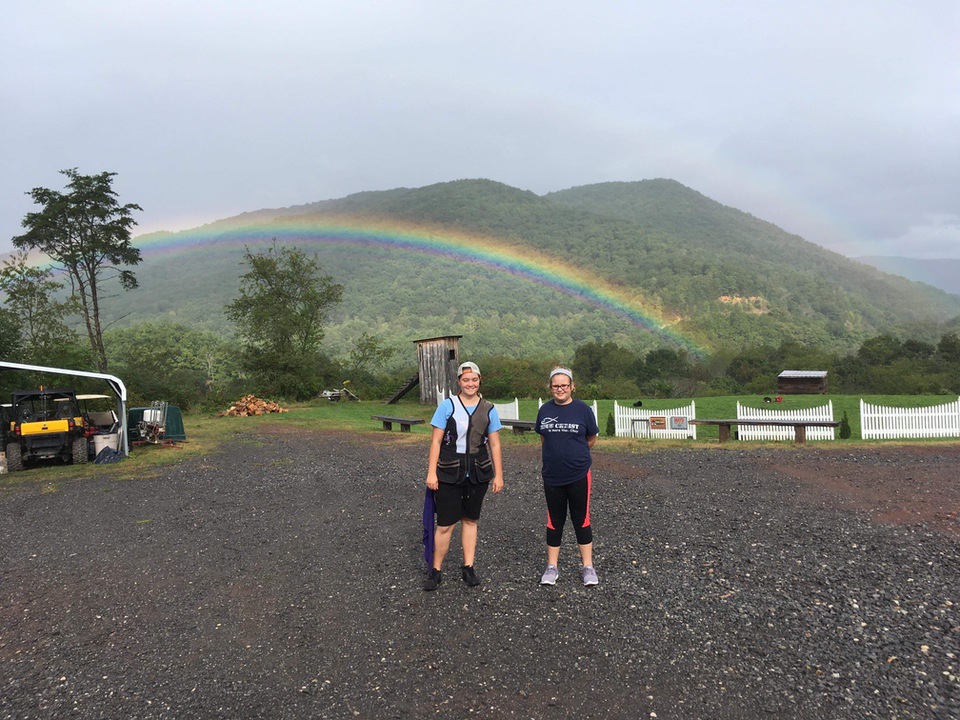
437 360
802 382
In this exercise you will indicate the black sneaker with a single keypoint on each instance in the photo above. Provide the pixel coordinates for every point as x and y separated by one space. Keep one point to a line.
469 576
434 578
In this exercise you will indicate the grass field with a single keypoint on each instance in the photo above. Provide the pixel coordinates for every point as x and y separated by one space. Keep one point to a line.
205 432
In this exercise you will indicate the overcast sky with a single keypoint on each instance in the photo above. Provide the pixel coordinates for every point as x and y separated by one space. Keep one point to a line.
838 121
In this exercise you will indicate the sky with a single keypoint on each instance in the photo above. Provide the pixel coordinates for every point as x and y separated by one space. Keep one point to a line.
838 121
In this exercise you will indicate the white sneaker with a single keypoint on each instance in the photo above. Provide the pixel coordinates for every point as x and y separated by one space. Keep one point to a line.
589 575
550 575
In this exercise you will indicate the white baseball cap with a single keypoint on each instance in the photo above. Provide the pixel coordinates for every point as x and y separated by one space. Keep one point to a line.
464 367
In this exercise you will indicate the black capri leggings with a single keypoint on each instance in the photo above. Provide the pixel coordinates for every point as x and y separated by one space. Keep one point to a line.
576 498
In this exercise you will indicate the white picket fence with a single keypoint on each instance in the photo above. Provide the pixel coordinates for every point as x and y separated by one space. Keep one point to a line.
635 422
596 414
882 422
773 432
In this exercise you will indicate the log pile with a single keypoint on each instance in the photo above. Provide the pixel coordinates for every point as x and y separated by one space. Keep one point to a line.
251 405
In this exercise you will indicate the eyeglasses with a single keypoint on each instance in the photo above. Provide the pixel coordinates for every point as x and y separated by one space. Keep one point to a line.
559 387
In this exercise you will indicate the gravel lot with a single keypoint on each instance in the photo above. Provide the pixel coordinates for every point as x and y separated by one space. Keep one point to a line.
282 579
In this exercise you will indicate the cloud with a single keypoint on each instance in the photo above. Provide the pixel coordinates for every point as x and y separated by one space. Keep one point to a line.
838 121
937 238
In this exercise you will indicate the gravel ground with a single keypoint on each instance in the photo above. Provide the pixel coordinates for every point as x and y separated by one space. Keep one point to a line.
282 578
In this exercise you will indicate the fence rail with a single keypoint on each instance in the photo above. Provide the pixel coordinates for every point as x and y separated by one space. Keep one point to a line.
884 422
635 422
760 432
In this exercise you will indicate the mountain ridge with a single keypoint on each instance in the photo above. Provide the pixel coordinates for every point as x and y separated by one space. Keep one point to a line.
719 275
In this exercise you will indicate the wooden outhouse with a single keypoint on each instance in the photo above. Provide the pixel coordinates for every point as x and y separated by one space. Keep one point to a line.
437 360
802 382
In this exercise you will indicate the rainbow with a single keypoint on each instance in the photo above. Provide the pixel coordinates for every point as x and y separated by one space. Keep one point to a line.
473 248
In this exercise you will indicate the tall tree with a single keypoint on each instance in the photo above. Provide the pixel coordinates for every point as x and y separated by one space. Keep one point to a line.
9 335
86 231
949 347
283 304
171 361
594 361
31 298
369 351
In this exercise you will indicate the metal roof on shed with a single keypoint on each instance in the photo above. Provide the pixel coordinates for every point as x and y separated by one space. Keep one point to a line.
803 374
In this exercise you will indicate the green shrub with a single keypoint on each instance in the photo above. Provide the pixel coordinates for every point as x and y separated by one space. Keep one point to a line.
844 427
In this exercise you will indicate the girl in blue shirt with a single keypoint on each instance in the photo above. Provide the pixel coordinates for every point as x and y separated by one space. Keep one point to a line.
464 459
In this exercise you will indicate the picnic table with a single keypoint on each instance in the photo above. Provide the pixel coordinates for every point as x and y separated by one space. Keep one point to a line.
799 426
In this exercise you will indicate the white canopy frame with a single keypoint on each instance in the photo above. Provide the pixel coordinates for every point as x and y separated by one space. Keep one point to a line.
115 383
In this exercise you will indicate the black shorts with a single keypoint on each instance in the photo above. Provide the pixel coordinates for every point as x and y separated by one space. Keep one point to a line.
454 502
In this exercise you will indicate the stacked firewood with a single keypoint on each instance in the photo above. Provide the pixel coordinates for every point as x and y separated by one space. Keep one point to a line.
251 405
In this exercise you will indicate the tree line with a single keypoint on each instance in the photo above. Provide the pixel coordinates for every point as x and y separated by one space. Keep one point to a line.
883 365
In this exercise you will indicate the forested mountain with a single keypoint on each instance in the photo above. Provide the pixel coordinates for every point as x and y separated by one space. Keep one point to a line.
731 252
707 273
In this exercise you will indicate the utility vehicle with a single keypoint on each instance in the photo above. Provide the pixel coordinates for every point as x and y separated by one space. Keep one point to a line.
44 424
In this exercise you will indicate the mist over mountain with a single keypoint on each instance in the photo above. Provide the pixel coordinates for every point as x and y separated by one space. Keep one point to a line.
941 273
706 273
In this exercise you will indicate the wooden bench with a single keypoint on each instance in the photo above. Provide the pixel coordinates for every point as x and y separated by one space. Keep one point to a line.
799 426
405 423
519 426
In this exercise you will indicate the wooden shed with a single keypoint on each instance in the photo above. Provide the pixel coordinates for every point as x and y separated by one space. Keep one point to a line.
802 382
437 360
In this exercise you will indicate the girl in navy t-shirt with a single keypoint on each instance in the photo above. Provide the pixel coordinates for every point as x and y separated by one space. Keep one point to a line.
568 429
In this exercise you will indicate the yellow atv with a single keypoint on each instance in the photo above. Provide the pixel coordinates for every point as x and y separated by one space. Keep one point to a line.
45 424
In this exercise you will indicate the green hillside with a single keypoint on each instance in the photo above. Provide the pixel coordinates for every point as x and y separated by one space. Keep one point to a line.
719 276
794 275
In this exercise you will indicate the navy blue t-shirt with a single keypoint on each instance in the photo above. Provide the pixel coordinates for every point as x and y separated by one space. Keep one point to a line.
565 429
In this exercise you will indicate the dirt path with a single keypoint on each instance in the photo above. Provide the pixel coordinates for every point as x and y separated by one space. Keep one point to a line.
281 578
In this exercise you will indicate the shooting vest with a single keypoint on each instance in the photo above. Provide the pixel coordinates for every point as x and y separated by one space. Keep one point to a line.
464 453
